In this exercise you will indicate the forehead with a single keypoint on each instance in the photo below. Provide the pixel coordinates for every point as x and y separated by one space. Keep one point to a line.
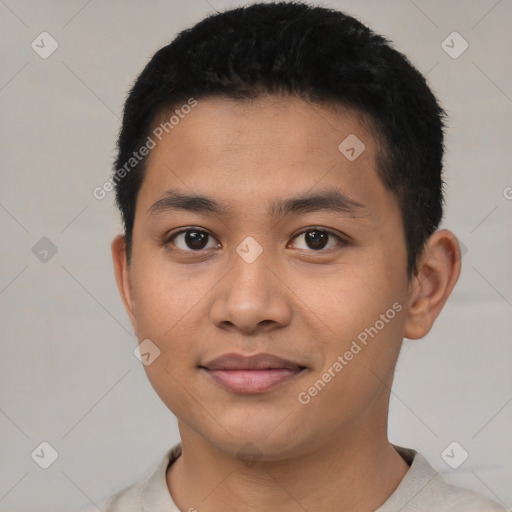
242 151
263 123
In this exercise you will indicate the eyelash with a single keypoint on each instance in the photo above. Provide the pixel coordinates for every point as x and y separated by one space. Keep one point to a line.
341 242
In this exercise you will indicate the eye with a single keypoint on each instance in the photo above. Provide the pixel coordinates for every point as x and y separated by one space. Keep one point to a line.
193 239
317 239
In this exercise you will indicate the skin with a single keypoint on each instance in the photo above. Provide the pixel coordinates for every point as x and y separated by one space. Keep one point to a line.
294 301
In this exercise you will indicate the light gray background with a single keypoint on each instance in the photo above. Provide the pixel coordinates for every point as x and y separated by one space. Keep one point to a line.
68 375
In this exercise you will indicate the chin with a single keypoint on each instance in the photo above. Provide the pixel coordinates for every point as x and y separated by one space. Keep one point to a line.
267 440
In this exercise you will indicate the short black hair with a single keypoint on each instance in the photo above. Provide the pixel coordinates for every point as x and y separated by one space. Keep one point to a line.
321 55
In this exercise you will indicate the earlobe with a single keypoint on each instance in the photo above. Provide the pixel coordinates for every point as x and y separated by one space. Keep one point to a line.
438 271
121 270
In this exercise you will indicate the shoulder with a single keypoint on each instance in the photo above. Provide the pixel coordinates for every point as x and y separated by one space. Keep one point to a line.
459 499
149 494
129 499
423 489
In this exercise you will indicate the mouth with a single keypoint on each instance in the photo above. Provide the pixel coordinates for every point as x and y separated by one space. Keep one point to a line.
251 374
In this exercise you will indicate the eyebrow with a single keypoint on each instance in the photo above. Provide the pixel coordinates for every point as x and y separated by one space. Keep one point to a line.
330 200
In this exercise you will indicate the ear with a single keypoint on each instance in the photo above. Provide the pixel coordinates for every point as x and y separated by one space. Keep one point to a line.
438 271
122 273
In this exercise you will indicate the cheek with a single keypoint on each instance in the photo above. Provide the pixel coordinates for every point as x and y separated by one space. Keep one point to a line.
165 308
359 364
363 319
348 300
166 296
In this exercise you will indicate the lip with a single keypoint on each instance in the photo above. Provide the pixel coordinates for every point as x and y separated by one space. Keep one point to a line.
251 374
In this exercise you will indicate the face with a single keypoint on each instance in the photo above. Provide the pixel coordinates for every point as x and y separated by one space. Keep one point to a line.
294 248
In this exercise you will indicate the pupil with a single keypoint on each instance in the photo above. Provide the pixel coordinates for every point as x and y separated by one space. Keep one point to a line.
316 239
195 239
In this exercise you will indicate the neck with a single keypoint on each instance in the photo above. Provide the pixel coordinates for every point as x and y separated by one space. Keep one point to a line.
353 471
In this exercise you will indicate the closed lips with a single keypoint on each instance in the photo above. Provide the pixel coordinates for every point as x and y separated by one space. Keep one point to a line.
259 373
260 361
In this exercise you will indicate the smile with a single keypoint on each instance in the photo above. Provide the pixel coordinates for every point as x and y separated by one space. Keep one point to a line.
253 381
251 374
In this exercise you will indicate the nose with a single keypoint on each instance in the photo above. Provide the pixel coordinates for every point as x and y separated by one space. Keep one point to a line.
251 299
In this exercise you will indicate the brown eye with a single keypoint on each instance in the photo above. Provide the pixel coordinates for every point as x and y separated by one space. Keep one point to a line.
316 239
193 240
196 239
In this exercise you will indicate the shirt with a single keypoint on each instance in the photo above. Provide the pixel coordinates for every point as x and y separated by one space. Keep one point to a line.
421 490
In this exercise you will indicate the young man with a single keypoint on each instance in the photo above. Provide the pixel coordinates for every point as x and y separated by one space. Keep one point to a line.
279 178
